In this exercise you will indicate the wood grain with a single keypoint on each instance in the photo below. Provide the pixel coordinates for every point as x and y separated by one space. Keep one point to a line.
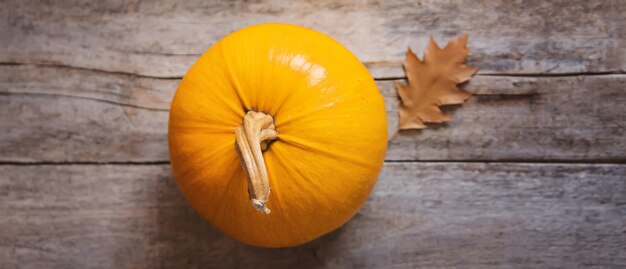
523 118
420 215
163 38
54 114
514 181
68 115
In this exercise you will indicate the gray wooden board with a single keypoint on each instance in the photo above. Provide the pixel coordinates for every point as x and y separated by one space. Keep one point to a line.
508 184
163 38
51 114
420 215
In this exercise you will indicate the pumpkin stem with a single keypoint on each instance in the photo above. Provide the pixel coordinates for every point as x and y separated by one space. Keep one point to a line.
252 138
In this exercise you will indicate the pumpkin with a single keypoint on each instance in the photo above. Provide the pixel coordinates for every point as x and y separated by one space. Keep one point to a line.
277 135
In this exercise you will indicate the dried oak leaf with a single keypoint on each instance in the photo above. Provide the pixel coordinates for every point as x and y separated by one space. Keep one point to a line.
433 83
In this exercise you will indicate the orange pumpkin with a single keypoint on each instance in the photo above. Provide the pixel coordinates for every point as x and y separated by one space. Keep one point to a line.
277 135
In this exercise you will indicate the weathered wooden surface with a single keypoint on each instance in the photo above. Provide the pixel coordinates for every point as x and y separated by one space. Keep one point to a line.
431 215
579 118
85 88
163 38
68 115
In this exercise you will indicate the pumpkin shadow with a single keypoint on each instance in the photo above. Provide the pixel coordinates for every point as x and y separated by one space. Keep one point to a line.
183 239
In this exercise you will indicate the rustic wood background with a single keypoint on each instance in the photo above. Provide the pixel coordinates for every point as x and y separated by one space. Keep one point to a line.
530 174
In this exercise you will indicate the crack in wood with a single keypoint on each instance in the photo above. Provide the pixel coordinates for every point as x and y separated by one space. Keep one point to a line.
566 74
83 98
383 78
517 161
57 65
61 163
492 97
452 161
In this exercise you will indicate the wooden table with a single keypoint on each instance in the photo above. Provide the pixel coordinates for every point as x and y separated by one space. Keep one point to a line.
530 174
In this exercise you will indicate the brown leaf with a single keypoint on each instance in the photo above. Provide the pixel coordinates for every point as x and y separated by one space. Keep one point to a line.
433 83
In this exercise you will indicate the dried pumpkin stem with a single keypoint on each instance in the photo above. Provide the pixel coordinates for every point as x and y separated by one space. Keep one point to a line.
252 138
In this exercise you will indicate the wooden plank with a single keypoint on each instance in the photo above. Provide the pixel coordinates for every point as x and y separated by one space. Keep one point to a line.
163 38
71 115
420 215
523 118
